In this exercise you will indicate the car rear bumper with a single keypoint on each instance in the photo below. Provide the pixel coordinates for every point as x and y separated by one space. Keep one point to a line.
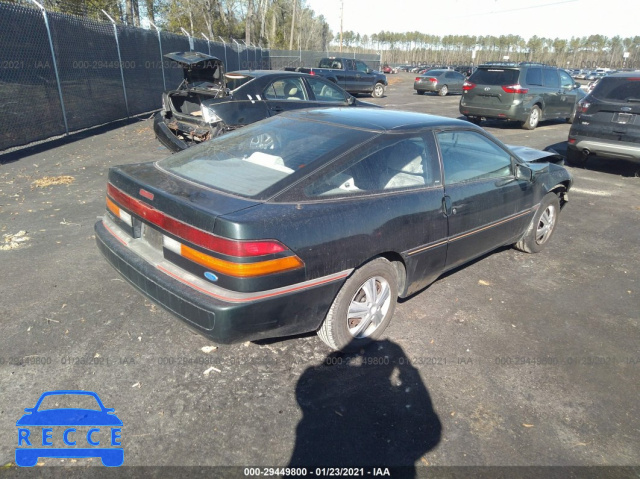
165 135
606 149
221 315
513 112
428 86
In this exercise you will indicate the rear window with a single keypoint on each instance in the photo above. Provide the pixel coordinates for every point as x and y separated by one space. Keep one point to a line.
236 80
625 89
494 76
259 160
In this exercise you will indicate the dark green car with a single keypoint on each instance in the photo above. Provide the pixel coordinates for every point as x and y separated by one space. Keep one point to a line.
526 92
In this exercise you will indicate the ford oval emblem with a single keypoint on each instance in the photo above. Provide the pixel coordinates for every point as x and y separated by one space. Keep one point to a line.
210 276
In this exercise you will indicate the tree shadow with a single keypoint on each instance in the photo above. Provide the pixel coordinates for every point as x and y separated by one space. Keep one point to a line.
365 409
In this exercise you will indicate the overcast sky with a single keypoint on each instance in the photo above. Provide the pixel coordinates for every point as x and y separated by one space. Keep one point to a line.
545 18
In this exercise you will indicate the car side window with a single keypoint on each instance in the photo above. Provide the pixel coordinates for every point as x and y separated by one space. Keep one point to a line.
326 91
361 67
394 164
286 89
566 81
470 156
534 76
551 78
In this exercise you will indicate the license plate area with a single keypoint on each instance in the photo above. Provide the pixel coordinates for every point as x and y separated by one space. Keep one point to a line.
152 236
624 118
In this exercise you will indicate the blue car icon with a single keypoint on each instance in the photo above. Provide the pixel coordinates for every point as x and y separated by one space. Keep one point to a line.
94 420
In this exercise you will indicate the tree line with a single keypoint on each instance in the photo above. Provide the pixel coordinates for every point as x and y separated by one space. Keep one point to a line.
277 24
290 24
578 52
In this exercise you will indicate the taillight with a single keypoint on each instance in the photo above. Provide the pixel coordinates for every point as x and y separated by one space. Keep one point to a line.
517 88
192 234
231 268
583 106
433 80
204 239
418 79
119 212
466 86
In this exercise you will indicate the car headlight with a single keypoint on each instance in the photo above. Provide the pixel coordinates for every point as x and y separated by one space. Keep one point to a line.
209 115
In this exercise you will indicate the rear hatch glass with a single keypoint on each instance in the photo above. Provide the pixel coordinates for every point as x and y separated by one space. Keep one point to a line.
488 91
614 111
259 160
494 76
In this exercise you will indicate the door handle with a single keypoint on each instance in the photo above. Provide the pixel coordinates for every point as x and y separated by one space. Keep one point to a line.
277 109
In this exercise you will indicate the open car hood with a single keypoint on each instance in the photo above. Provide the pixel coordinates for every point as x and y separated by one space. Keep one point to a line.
531 155
200 70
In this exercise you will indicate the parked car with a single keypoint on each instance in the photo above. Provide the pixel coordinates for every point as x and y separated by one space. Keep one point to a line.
607 122
525 92
354 76
387 69
442 82
318 220
209 102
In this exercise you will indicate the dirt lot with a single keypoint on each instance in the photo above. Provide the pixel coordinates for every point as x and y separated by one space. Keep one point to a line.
513 360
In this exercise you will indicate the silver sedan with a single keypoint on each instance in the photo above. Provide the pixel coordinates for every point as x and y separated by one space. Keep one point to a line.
441 81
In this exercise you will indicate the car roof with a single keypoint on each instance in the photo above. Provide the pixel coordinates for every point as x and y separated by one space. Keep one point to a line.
635 74
382 120
261 73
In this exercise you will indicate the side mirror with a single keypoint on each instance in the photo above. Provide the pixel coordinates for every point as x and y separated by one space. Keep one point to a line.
369 70
524 173
351 100
577 85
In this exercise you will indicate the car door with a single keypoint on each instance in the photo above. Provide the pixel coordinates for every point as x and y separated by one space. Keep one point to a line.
391 192
284 94
350 75
569 95
454 80
552 94
486 205
365 78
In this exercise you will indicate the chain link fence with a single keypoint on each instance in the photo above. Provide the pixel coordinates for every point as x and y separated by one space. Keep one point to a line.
62 73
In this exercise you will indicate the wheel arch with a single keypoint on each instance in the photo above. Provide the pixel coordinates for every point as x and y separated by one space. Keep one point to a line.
561 190
398 264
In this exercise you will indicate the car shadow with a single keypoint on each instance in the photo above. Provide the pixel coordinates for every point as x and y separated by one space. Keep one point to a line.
616 166
512 125
365 409
19 152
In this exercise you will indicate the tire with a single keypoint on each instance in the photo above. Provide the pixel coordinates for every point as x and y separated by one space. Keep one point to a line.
359 296
443 91
378 90
420 92
476 120
533 119
542 225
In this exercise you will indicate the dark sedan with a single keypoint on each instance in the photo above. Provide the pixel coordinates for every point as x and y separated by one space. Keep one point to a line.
208 103
442 82
318 220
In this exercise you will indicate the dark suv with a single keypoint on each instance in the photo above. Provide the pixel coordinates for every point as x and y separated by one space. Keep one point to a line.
608 121
524 92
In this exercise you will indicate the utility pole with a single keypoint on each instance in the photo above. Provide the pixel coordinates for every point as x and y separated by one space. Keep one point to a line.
341 18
